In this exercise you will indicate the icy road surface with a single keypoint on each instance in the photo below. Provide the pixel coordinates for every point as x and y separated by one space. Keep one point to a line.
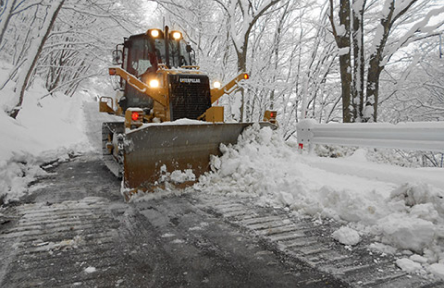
76 231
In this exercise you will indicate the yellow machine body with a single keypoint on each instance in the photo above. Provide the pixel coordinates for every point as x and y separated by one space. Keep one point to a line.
154 90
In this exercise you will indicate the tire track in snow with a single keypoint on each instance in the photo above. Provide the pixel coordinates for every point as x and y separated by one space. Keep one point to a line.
54 245
312 244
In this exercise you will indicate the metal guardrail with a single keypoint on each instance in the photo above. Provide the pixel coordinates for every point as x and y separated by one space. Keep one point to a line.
420 136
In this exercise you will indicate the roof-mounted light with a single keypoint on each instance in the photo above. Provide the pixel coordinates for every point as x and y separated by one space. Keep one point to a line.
176 35
154 33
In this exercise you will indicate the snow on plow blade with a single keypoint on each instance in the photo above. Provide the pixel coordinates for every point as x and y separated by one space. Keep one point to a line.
178 147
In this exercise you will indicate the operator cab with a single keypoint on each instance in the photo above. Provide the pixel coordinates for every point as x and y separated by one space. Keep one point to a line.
142 56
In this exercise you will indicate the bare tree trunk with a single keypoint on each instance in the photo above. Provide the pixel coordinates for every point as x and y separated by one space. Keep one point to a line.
36 49
359 60
375 68
342 37
242 67
374 71
376 59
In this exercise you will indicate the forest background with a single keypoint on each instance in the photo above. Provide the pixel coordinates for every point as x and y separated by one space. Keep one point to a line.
334 61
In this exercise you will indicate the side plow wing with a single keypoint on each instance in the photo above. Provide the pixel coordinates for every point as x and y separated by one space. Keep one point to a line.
174 147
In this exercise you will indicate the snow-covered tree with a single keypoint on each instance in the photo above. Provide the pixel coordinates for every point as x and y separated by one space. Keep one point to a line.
290 55
417 94
31 58
63 41
398 24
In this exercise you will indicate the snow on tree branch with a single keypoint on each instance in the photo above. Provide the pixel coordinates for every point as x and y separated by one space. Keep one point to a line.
417 31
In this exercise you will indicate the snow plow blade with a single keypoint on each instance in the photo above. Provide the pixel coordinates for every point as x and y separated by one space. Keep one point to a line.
154 150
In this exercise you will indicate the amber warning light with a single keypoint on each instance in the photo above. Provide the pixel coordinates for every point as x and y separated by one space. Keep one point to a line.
246 76
270 116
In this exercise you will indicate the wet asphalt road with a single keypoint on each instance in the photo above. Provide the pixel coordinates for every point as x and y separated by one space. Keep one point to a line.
75 230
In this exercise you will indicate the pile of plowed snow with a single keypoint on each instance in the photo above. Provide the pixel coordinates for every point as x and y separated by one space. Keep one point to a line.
46 129
402 209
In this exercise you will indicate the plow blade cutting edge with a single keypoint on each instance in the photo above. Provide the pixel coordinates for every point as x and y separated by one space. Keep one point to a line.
174 147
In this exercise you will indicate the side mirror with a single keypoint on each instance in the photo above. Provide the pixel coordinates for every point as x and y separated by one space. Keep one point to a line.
117 57
188 48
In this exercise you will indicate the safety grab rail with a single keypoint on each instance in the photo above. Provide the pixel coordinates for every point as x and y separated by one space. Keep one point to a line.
420 136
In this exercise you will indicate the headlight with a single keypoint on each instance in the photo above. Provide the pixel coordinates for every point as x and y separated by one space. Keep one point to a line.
155 33
217 84
177 35
154 83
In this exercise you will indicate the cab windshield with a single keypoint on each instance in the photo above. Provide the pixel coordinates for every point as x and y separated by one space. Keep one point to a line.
143 54
178 55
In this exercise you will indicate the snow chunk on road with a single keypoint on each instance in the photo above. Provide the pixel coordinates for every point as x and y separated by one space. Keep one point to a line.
178 241
287 199
437 269
407 232
408 265
418 258
90 270
382 248
346 236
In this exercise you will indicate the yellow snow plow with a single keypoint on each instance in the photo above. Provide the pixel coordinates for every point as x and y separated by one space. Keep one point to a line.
168 120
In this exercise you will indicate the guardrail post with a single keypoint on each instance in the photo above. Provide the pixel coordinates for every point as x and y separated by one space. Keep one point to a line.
305 134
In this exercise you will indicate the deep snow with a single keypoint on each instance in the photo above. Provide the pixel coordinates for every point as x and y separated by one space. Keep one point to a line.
402 209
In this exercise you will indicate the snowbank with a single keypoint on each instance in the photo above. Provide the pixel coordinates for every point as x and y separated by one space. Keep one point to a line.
401 208
45 130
